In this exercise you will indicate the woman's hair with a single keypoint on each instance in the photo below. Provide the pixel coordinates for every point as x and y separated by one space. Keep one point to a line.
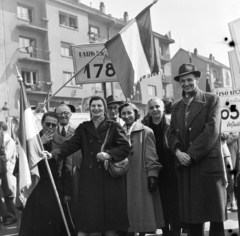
168 102
96 98
51 114
156 99
135 109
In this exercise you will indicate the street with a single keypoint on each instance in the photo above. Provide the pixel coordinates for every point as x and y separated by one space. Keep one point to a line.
231 227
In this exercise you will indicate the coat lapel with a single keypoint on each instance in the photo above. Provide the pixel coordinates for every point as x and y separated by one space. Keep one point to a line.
89 126
137 127
70 132
180 114
197 105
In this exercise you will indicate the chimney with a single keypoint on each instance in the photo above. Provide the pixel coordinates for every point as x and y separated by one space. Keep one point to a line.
211 57
78 1
195 51
125 16
102 7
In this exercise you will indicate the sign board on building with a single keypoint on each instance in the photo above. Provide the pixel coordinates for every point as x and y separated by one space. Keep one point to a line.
234 28
99 70
230 109
227 78
235 69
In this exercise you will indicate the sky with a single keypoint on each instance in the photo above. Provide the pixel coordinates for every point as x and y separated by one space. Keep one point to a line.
201 24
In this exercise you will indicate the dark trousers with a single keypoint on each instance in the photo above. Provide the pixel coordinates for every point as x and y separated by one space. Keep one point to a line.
216 229
11 212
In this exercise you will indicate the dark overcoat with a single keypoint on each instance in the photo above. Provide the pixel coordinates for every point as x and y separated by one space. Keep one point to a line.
167 179
102 199
201 185
41 215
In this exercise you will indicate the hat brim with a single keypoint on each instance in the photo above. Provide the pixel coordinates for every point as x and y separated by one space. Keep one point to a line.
72 108
115 102
196 73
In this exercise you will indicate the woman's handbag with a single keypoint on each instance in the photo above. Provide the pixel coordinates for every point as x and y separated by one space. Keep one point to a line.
116 169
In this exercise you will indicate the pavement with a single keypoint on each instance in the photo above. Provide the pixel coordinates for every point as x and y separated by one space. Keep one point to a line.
230 226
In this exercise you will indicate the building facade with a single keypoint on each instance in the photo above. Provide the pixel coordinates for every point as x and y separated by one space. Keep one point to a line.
37 35
219 74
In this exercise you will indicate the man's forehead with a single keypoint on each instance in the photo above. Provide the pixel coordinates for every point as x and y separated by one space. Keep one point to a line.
63 108
188 76
50 119
113 105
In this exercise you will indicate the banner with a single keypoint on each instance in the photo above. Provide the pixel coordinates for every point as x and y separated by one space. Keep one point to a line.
99 70
234 28
230 109
234 69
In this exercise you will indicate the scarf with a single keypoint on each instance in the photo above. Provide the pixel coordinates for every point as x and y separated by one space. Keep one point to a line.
187 100
128 131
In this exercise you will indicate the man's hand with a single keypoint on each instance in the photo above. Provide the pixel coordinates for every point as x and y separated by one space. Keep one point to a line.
66 198
183 157
47 137
47 155
102 156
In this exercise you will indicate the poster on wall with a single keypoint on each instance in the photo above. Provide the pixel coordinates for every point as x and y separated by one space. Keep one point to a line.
234 69
227 78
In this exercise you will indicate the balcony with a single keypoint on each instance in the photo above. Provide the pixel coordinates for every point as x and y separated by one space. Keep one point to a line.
32 23
41 87
165 57
37 55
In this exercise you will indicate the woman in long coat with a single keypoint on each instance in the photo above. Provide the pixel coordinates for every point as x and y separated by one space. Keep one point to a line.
102 199
144 204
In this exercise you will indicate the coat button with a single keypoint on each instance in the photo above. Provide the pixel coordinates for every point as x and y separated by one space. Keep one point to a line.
177 130
132 153
91 153
90 167
190 128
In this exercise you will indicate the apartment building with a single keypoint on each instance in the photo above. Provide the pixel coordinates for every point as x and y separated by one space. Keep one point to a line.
37 35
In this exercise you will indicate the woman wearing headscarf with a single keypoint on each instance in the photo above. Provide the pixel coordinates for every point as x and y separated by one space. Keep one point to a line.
102 200
144 204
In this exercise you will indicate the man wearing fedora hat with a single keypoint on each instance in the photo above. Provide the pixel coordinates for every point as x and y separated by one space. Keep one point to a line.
113 104
194 138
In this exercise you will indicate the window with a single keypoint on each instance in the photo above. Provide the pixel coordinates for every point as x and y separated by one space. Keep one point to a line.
161 50
214 74
26 42
68 20
152 90
94 33
29 77
66 49
67 76
24 13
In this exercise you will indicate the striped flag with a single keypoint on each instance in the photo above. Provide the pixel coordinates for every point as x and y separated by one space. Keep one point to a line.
208 88
132 52
30 148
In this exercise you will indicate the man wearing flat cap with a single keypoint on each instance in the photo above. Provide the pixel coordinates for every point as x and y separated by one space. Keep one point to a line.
194 138
113 103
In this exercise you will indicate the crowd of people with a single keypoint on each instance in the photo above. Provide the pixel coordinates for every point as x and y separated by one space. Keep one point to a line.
179 170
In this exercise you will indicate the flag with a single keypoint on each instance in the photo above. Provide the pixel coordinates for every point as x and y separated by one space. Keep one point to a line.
208 88
132 52
30 148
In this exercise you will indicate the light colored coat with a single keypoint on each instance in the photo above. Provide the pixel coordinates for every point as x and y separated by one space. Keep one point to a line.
144 209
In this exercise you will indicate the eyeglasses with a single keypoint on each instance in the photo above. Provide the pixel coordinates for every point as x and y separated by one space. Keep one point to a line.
65 113
48 124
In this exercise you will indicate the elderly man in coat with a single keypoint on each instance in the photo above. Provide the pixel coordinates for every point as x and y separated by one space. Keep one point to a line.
194 138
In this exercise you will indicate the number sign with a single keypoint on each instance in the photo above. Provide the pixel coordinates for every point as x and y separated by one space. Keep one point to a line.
99 70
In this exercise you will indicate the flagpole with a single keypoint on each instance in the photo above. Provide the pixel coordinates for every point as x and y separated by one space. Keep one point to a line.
73 76
20 80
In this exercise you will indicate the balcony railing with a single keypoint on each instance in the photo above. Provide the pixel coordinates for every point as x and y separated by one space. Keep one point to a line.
27 21
38 87
37 54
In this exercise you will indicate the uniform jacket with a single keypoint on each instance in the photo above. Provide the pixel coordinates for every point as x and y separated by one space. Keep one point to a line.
202 190
101 202
144 208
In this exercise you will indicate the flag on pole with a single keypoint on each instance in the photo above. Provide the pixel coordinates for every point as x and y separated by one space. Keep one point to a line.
208 88
30 148
132 52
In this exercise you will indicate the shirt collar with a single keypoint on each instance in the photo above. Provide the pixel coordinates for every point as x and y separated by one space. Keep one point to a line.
66 128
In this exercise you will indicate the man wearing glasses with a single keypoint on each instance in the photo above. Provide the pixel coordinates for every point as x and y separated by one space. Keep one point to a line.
113 104
41 215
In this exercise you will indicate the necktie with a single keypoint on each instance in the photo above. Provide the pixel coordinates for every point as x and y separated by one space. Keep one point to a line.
63 133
